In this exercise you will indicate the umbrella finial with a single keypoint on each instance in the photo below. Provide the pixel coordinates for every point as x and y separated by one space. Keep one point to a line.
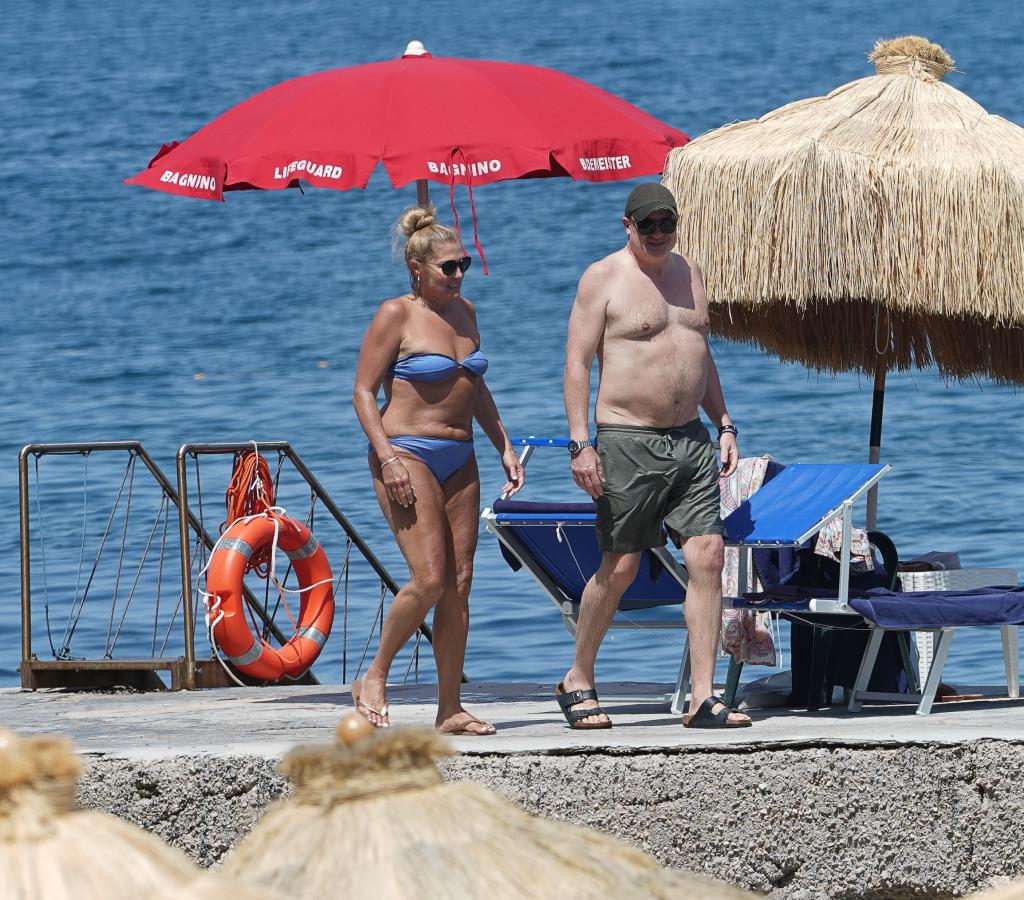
911 55
415 48
352 729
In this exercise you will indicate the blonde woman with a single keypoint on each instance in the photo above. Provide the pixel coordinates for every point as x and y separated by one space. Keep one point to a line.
424 348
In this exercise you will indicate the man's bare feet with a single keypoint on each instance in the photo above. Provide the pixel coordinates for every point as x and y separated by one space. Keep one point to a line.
370 701
464 723
572 683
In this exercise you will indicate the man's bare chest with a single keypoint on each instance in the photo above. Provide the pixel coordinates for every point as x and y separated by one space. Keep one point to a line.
643 316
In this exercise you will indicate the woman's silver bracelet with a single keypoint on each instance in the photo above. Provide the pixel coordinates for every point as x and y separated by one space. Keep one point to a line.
388 462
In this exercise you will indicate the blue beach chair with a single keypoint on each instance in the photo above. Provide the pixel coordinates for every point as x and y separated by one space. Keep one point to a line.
794 506
787 513
557 544
941 613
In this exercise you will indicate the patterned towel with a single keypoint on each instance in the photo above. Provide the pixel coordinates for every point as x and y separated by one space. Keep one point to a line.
830 543
746 634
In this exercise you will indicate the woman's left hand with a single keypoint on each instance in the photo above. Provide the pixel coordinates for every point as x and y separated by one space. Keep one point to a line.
514 471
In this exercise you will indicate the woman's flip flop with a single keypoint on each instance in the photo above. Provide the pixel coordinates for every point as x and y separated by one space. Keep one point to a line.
364 708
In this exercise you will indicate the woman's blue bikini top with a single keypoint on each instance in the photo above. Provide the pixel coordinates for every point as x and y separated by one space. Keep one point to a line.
436 366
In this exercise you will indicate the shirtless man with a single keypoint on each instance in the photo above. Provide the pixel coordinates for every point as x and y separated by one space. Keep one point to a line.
643 312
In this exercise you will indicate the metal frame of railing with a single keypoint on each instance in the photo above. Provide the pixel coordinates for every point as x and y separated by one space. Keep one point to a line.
37 673
282 447
186 672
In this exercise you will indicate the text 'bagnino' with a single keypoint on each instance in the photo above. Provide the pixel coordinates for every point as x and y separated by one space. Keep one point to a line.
190 179
477 168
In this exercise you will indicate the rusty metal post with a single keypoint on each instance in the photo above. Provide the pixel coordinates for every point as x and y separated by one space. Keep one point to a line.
26 573
189 674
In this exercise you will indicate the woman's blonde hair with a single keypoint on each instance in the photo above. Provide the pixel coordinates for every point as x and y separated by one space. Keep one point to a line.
422 232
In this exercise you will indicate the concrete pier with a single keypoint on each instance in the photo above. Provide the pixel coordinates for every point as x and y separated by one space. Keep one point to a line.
882 803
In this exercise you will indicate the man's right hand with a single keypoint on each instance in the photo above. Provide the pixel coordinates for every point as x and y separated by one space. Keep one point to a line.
587 471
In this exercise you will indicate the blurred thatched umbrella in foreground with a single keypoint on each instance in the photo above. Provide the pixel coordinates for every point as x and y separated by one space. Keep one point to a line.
375 821
880 227
1013 890
49 851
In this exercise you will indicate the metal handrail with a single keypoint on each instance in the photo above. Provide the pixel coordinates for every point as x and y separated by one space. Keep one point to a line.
38 450
188 524
196 449
189 521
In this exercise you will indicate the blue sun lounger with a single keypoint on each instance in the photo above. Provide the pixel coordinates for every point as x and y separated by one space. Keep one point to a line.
793 507
557 544
939 612
782 514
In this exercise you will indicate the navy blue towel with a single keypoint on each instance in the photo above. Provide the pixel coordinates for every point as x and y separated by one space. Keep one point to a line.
1001 605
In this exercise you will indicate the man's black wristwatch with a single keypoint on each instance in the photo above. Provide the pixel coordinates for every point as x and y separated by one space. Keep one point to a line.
576 446
727 429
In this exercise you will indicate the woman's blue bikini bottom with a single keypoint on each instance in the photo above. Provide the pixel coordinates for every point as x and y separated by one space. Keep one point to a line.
443 456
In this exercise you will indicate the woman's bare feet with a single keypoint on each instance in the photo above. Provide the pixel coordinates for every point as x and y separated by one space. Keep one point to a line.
464 723
370 701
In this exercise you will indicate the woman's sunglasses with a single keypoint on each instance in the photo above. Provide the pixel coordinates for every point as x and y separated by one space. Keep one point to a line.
648 226
449 266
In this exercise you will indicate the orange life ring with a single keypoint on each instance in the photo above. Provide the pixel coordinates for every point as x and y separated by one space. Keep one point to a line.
249 653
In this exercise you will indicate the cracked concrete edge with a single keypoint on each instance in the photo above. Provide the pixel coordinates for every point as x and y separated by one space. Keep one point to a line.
274 750
927 820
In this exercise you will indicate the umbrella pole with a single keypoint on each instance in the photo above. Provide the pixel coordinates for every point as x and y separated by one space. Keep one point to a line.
875 441
422 194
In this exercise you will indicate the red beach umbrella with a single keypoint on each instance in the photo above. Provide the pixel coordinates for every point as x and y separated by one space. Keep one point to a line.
454 121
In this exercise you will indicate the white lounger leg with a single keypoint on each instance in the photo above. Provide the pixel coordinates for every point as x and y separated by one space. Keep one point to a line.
931 686
867 666
1011 659
677 705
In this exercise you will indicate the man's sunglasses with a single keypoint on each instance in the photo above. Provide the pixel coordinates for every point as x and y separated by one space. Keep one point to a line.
449 266
649 226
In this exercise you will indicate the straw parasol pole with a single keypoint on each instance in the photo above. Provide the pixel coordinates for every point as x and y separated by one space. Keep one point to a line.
878 228
50 851
372 819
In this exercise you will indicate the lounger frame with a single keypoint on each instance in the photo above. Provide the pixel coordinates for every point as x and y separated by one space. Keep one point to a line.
929 690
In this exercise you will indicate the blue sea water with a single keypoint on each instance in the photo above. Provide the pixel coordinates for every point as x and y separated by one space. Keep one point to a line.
129 314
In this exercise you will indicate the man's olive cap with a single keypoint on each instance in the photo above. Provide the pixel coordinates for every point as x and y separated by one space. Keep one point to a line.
647 198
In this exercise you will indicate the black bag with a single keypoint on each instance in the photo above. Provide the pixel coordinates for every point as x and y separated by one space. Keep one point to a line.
832 644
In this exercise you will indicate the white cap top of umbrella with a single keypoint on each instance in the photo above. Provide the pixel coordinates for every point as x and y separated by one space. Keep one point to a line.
415 48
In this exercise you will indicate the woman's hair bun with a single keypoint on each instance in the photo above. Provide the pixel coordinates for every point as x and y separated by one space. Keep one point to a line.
415 218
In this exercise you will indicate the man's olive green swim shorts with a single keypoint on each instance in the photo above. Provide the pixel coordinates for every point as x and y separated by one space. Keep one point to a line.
655 476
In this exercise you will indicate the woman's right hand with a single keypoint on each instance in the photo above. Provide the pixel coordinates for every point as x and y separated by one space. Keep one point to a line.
397 482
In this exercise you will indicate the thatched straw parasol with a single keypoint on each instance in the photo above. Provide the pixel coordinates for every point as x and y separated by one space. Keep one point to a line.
880 227
48 851
375 820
